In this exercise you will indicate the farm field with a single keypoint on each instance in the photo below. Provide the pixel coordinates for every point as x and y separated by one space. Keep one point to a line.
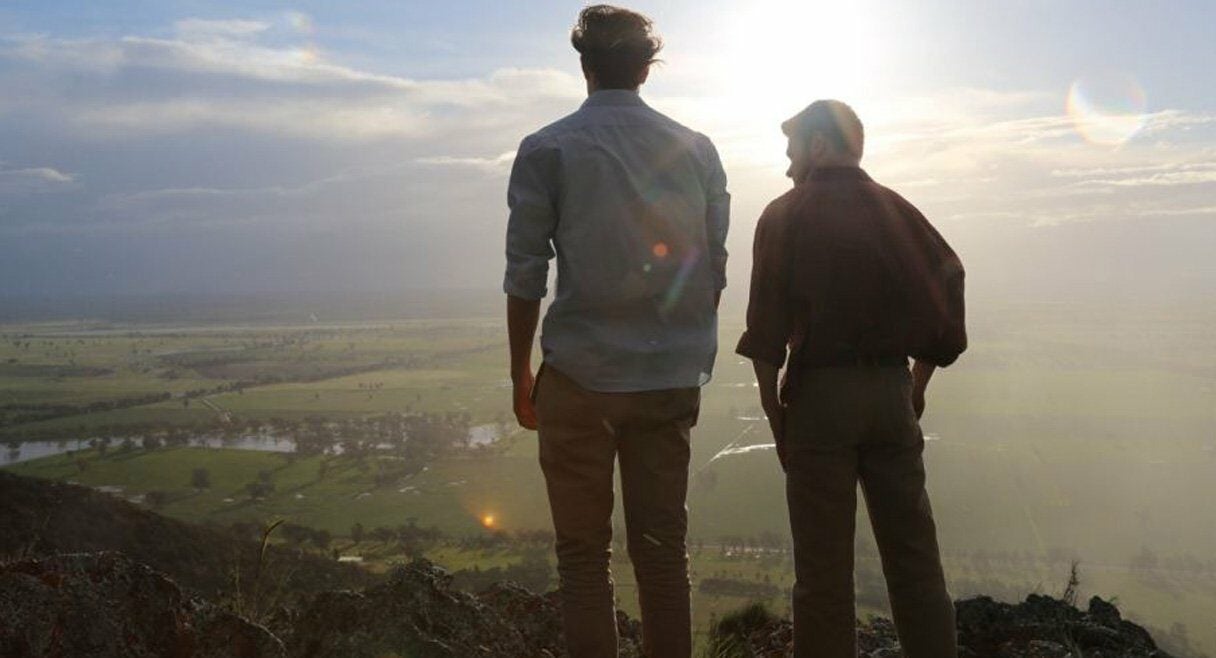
1061 435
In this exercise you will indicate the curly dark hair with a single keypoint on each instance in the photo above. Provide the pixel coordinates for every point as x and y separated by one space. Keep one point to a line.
615 44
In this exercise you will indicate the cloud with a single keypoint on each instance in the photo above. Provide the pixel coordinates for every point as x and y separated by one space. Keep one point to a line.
196 28
223 73
32 180
224 137
1162 175
496 164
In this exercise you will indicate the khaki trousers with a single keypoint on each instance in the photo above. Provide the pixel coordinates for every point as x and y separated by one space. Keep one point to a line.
582 433
843 426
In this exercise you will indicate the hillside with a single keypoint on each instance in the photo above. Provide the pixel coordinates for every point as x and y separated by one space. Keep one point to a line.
42 517
89 574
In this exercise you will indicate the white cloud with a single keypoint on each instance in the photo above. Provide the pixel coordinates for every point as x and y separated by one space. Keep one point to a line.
496 164
220 73
243 132
1158 175
316 119
195 28
33 180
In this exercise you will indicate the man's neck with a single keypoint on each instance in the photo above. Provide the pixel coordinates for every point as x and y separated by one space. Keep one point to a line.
591 89
826 166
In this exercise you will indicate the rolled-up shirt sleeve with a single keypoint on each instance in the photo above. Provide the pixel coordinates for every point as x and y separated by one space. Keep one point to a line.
532 200
768 314
717 213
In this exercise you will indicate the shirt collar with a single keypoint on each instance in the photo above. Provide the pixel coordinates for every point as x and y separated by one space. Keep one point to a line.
826 174
614 97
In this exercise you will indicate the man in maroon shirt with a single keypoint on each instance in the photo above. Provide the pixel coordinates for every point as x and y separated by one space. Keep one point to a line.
850 280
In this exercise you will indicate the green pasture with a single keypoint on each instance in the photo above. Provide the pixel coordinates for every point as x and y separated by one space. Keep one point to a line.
1058 433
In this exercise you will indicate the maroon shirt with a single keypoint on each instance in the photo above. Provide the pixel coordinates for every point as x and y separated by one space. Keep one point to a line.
845 270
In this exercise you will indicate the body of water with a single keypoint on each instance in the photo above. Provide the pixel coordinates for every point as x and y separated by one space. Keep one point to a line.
479 435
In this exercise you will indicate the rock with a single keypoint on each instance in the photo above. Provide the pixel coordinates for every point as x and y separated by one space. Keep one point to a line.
1039 627
1031 628
1104 613
104 604
418 613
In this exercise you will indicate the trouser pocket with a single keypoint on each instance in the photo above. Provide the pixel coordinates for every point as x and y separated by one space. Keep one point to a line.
536 383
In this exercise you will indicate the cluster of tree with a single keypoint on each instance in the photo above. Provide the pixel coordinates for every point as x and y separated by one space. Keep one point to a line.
261 487
20 413
293 534
418 438
297 535
765 542
413 539
409 537
747 589
1146 561
533 572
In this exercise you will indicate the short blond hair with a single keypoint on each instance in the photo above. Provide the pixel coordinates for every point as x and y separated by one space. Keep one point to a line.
833 119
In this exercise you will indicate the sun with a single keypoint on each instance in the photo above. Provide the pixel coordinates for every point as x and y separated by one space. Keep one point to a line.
489 521
773 57
785 49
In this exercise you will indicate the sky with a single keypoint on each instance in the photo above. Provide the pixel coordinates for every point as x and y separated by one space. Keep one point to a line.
1066 149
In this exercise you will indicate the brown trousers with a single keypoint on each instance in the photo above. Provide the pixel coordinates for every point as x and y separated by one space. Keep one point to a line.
582 433
843 426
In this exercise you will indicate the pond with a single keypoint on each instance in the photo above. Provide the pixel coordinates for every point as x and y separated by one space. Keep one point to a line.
478 436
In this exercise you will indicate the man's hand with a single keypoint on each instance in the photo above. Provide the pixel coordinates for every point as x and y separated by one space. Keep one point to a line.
766 379
776 423
922 371
918 401
525 411
522 316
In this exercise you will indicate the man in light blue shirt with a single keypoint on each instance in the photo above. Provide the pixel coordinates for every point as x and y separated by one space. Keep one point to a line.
635 209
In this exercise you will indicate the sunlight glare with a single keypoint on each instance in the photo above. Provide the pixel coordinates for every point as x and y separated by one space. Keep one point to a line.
779 55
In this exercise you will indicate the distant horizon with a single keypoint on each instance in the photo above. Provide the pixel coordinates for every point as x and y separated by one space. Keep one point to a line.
299 307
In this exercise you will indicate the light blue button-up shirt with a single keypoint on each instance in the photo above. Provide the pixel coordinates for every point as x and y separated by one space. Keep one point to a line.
635 207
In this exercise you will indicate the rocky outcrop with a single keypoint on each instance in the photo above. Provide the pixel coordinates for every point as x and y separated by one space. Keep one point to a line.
1045 627
104 604
1039 627
418 613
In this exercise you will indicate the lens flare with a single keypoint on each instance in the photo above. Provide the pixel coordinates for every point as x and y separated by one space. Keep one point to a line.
309 54
1108 109
676 290
300 22
659 250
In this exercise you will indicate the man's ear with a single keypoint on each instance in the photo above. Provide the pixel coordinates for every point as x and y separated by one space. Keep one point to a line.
816 146
588 74
643 75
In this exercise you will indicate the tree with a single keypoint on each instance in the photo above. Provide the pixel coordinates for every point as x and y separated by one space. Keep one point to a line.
321 539
156 499
259 489
383 534
200 478
296 534
356 533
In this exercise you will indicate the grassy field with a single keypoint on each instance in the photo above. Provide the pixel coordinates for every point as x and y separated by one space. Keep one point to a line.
1062 434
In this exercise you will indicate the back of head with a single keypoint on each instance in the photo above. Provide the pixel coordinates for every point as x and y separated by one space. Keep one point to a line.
834 120
616 45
